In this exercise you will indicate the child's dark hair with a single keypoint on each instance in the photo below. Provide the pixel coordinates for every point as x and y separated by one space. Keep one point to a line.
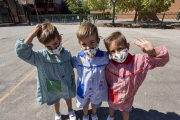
86 29
118 36
48 33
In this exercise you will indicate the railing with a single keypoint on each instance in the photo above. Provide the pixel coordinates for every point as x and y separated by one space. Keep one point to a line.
148 19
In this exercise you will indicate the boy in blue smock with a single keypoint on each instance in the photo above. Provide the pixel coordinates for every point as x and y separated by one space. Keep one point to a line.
90 64
55 71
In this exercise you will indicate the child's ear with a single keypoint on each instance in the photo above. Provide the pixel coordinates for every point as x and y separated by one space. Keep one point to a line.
128 46
108 51
98 40
60 38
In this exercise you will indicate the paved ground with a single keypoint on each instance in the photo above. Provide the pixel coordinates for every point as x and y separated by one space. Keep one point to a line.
157 99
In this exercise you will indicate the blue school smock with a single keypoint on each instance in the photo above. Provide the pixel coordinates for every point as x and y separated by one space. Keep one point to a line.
91 81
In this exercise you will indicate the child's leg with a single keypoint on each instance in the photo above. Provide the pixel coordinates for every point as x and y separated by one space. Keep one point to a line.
56 107
94 109
125 115
111 112
85 109
69 104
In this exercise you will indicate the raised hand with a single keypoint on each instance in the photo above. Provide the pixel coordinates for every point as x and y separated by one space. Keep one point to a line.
33 34
146 46
36 30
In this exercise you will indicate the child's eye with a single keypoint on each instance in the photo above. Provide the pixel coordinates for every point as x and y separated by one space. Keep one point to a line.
92 42
112 52
119 48
84 44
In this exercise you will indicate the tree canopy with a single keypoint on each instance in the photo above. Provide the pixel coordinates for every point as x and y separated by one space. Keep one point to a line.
78 6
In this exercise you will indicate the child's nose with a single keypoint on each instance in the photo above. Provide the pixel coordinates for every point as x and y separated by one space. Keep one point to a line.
88 47
116 52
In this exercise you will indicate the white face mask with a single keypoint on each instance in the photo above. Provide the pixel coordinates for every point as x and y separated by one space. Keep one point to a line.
120 57
91 52
57 50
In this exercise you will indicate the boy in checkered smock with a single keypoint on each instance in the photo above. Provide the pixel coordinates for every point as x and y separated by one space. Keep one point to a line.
90 64
55 71
125 73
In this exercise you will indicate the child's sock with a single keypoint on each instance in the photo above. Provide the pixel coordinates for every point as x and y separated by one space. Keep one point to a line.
58 114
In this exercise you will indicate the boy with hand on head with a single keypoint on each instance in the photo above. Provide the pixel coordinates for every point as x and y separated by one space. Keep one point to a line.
56 78
90 64
125 73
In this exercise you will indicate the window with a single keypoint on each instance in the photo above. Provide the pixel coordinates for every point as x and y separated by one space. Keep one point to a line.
51 9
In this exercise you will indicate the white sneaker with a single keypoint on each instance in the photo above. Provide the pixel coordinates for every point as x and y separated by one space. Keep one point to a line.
110 118
72 115
85 117
58 116
94 117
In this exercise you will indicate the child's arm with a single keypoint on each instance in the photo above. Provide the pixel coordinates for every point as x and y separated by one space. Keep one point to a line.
23 48
32 35
146 47
157 57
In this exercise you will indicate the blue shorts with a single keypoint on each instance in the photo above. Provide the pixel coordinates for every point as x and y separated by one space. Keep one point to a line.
52 102
125 110
85 101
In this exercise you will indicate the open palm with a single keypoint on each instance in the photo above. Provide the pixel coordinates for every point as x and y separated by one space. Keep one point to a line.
145 45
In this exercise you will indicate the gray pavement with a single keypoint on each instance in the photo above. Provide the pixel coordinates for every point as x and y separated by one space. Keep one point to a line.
157 99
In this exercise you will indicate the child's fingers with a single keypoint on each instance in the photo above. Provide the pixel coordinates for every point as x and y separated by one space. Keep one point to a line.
140 39
137 43
144 40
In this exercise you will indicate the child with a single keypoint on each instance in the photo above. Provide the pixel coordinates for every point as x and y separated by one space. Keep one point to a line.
125 73
90 64
54 68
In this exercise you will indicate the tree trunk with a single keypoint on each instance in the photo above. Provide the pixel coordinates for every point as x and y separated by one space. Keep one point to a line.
135 17
113 11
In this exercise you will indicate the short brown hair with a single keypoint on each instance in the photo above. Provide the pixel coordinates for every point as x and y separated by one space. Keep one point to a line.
86 29
48 33
118 36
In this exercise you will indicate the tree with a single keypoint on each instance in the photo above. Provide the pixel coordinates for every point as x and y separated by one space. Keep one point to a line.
78 6
155 6
140 6
101 5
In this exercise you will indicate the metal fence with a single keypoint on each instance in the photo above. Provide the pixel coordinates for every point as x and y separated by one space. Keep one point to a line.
148 19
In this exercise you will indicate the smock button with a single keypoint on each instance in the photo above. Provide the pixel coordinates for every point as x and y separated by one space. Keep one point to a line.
90 88
63 76
90 79
123 91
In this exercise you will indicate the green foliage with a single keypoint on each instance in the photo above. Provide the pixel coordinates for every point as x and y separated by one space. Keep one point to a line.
154 6
98 4
78 6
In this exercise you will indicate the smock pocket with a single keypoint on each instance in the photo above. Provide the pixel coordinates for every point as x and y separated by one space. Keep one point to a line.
73 78
53 85
80 90
113 95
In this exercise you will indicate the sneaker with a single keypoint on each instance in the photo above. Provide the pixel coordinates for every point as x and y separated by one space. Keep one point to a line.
85 117
94 117
110 118
72 115
58 116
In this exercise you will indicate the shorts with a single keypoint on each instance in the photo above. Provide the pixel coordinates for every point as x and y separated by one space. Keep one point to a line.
85 101
125 110
52 102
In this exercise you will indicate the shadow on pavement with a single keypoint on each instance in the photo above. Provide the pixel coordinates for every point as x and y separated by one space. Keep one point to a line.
135 114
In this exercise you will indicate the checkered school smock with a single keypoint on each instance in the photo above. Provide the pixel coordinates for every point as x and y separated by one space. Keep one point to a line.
91 80
55 72
125 79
